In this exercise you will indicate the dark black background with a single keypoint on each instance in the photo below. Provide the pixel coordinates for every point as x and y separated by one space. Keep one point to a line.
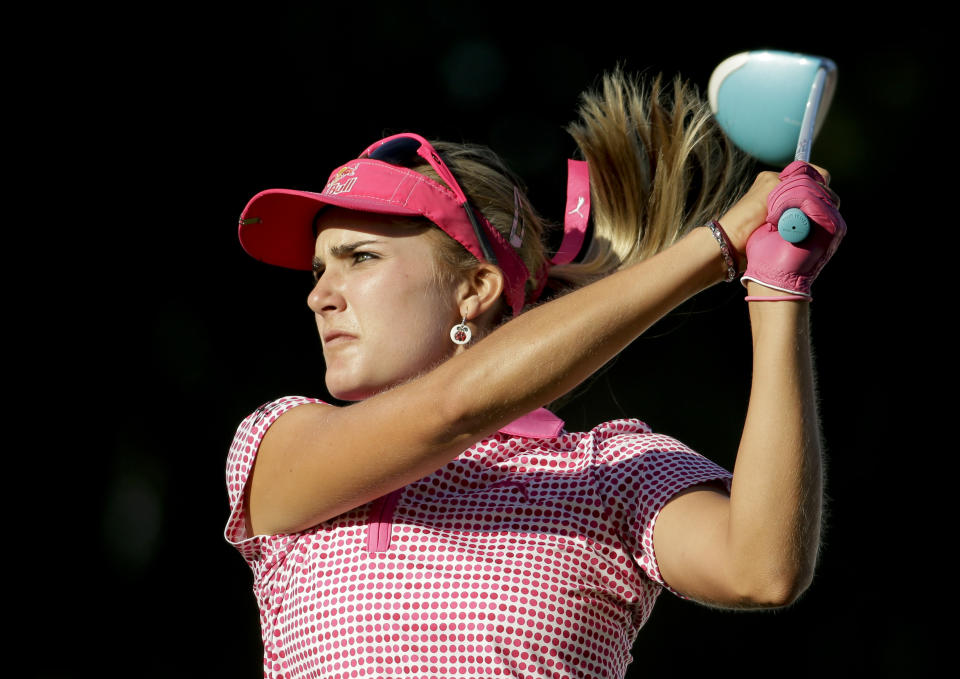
158 334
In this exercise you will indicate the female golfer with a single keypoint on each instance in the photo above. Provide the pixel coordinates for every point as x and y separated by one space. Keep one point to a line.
444 524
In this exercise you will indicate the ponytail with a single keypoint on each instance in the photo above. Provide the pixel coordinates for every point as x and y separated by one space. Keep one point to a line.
659 166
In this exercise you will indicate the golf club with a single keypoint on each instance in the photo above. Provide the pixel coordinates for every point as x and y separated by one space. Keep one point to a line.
772 104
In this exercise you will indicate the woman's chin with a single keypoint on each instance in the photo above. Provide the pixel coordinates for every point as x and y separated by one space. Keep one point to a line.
348 395
349 392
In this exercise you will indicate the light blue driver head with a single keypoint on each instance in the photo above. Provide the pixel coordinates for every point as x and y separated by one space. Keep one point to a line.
759 99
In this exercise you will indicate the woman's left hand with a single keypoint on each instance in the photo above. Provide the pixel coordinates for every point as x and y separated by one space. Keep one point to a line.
754 209
780 265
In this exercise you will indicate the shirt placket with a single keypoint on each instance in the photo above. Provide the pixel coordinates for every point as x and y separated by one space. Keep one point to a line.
380 523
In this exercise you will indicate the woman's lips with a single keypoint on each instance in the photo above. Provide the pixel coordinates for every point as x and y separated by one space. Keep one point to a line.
336 337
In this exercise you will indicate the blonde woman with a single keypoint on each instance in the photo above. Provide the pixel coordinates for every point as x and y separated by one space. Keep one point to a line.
444 524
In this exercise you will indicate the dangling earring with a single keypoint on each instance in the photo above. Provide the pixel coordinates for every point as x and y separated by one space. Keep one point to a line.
460 333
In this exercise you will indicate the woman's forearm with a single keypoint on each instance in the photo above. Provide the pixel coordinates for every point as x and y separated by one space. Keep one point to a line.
775 502
549 350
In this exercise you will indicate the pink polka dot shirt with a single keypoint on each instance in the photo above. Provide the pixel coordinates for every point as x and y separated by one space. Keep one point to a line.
529 555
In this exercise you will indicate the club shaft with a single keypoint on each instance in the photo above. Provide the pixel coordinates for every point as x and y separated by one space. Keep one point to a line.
809 123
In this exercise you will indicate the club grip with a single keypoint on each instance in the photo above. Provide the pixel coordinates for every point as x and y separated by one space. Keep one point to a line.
793 225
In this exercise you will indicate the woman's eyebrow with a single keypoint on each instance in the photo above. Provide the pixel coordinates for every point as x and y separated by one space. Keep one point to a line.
342 250
348 248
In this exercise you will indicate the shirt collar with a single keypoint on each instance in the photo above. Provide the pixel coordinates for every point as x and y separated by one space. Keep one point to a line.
539 424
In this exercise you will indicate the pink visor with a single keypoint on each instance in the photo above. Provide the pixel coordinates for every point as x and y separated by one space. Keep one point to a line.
276 226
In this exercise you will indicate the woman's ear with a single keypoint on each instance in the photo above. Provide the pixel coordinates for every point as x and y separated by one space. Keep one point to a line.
480 292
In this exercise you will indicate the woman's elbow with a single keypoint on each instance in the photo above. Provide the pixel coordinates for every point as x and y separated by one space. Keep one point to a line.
779 590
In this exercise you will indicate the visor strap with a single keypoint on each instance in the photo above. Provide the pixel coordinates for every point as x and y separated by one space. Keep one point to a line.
577 212
575 221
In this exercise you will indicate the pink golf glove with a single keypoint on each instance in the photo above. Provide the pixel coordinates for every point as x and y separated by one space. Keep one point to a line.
792 267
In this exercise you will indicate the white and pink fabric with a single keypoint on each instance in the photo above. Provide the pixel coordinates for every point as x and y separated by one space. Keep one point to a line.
529 555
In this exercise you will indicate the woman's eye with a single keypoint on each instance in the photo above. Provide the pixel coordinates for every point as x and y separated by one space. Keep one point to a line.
363 256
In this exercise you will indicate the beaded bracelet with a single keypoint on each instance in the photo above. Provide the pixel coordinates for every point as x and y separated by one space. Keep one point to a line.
725 249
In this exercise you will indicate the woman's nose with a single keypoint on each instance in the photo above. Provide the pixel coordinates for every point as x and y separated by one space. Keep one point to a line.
326 295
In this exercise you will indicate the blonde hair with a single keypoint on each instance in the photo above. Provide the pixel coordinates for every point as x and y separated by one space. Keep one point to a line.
659 166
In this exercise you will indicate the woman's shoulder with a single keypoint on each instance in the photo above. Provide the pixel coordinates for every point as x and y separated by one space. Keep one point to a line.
253 427
284 403
628 438
268 412
622 427
240 461
605 432
600 435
